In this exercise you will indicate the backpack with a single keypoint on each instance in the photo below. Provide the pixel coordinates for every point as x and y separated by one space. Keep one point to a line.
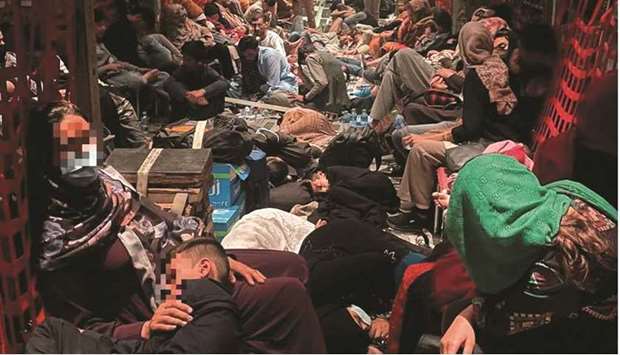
296 154
228 146
353 147
231 122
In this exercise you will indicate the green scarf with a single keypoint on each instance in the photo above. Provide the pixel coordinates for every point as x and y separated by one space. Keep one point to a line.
501 219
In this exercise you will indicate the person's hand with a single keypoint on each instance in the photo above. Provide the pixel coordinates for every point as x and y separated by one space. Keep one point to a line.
381 126
125 65
150 75
437 82
387 34
442 198
320 223
251 275
460 335
197 97
445 72
10 87
295 97
411 139
379 328
195 93
168 316
113 66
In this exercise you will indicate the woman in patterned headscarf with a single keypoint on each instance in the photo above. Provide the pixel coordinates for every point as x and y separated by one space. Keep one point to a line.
488 116
476 48
543 258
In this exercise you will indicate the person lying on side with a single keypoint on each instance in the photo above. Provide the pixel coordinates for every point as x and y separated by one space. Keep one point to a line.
199 272
107 279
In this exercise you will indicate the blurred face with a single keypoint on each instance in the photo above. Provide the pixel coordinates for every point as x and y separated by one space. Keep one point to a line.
250 55
536 70
182 268
110 11
319 182
137 22
501 46
75 144
259 27
100 28
189 61
213 18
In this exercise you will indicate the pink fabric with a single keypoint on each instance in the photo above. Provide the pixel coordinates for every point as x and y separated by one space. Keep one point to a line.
507 147
510 148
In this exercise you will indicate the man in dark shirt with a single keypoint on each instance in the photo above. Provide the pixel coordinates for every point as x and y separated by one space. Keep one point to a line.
195 88
198 274
120 36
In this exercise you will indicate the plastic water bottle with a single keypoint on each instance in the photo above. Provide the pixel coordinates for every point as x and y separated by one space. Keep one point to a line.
358 120
354 117
364 117
399 122
144 121
246 113
255 114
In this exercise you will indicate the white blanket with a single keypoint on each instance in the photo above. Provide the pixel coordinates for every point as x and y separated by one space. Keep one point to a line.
268 228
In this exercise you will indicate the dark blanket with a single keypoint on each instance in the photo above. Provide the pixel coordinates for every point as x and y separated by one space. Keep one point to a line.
357 193
216 326
214 329
352 262
284 197
285 146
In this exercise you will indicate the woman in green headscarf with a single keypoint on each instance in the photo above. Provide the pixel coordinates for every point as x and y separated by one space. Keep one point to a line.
543 258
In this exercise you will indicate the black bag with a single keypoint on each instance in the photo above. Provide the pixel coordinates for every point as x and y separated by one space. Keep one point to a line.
169 139
284 197
228 146
353 147
458 156
231 122
294 153
256 186
430 344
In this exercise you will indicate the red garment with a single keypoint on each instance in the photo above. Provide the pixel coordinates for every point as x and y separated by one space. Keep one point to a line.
450 280
555 158
412 273
450 283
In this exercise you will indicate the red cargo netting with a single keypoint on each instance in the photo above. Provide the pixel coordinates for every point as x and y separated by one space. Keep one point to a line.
590 52
38 32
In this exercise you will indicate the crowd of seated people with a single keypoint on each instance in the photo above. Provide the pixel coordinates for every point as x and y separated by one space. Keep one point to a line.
527 261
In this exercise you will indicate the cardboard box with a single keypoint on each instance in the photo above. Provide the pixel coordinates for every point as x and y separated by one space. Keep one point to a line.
226 186
225 218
